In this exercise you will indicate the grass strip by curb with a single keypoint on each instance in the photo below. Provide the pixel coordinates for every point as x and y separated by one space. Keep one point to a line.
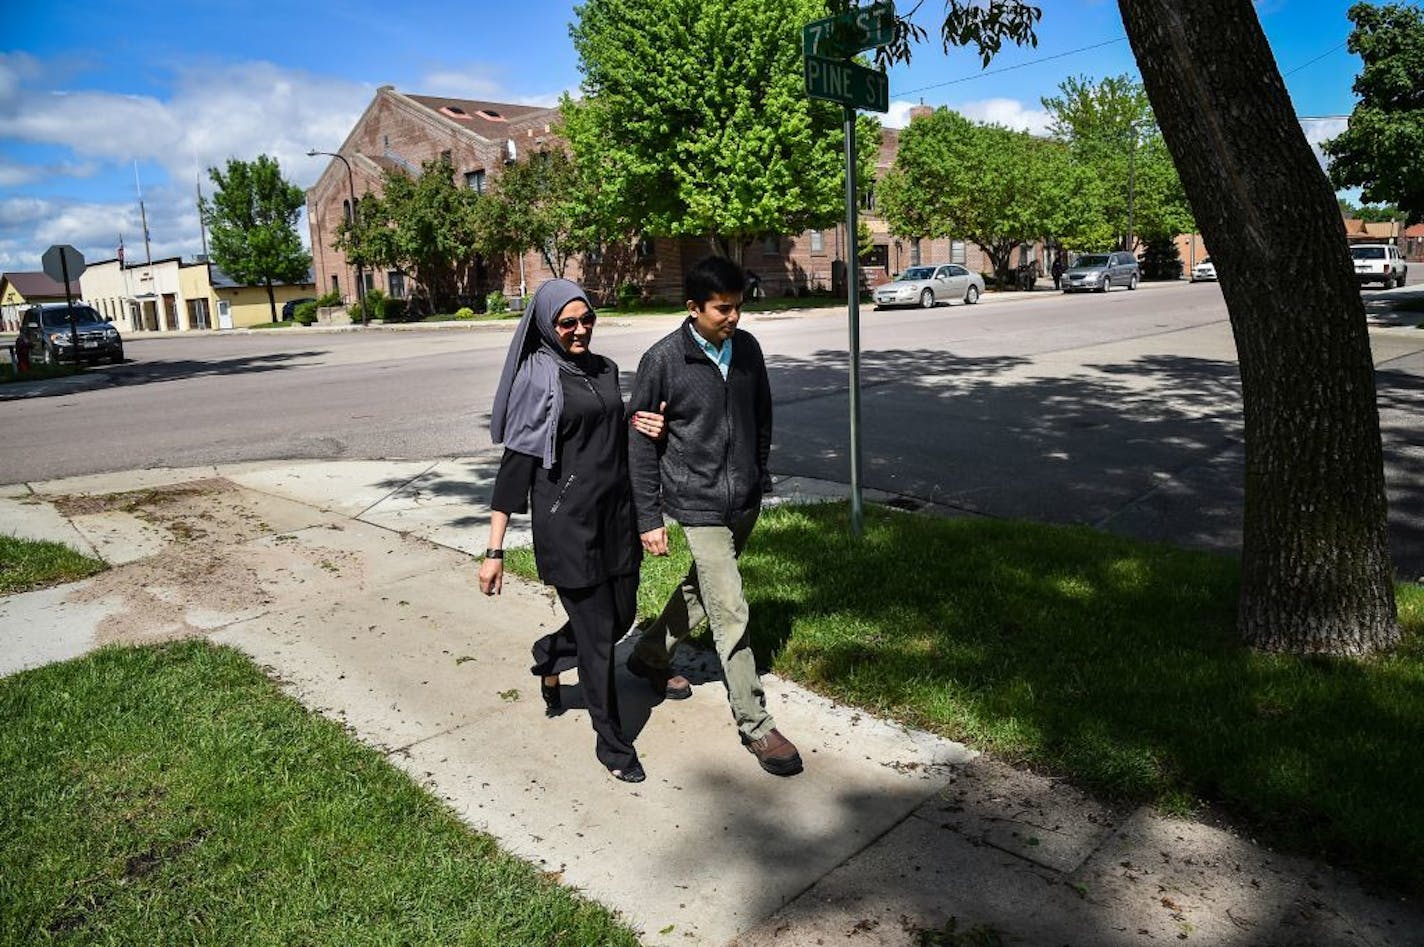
173 795
27 564
1111 661
38 372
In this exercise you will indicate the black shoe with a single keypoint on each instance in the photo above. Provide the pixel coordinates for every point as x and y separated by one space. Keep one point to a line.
674 687
632 773
553 698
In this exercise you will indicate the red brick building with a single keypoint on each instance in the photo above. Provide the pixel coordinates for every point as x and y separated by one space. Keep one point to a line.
401 131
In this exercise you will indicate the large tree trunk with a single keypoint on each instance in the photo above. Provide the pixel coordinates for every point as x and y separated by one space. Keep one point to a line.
1316 573
271 299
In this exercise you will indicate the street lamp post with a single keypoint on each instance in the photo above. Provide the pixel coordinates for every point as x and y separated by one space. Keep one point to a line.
1132 130
360 271
1131 183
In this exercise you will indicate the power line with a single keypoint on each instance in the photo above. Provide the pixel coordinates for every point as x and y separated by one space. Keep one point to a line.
1022 65
1317 59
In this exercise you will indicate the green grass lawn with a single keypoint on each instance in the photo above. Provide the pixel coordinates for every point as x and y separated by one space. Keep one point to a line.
29 564
1113 662
172 794
38 370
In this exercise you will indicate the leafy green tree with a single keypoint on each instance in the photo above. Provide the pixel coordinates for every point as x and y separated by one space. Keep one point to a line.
1316 574
426 226
1110 127
540 204
1371 213
696 116
252 225
1380 150
990 185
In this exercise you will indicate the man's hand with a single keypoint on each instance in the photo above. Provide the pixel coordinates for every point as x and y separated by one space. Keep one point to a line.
491 576
655 541
650 423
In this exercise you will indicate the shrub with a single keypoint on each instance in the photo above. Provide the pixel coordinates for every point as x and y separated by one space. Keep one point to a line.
325 300
496 304
1161 259
629 295
394 310
464 313
305 313
373 307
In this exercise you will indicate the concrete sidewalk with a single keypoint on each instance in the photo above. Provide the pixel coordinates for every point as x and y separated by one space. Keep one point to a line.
354 584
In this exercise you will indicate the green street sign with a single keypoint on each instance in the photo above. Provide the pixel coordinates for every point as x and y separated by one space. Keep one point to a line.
844 35
847 83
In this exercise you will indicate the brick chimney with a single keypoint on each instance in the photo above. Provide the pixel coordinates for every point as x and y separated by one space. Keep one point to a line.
920 111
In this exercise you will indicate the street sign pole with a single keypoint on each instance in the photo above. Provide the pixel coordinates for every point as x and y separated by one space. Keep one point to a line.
62 262
853 308
830 75
69 303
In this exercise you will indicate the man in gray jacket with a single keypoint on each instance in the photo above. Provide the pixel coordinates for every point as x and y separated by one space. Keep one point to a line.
708 474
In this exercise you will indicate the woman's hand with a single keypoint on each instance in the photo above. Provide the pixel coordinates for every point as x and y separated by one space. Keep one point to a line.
491 576
651 423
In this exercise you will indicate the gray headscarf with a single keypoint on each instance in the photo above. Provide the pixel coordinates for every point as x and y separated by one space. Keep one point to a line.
530 399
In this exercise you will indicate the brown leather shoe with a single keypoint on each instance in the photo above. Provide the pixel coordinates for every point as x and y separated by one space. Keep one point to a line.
776 754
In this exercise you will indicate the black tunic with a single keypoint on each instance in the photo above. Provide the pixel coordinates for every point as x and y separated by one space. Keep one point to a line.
584 528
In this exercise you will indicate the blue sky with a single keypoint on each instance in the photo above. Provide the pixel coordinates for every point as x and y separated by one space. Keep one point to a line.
90 89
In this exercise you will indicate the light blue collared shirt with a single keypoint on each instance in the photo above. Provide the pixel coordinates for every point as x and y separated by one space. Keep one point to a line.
721 357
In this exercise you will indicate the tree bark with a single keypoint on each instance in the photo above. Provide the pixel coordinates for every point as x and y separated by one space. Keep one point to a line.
271 299
1316 576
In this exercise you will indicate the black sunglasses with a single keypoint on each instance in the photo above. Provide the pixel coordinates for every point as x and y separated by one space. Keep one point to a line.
586 320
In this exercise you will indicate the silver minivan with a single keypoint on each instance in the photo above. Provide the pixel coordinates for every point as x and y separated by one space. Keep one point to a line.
1100 272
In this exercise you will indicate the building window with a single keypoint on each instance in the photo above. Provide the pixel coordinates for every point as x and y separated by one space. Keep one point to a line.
956 251
770 246
445 156
647 249
346 210
475 181
369 278
867 200
335 284
395 281
818 242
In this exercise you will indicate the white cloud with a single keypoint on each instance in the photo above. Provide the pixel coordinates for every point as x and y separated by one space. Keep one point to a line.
1009 112
458 84
1318 130
899 114
214 114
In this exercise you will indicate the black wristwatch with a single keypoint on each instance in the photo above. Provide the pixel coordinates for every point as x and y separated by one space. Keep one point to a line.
494 553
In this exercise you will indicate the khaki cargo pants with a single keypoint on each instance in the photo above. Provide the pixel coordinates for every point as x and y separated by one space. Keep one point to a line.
712 589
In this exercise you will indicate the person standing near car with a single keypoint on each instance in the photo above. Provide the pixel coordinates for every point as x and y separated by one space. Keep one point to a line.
1057 271
708 474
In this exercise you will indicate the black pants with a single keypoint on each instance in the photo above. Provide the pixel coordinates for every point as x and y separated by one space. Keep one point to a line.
598 617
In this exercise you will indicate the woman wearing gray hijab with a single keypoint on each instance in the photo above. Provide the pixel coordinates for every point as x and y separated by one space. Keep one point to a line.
559 412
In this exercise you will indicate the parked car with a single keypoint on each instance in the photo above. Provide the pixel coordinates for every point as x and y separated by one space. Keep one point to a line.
1204 271
926 285
51 340
289 308
1100 272
1379 263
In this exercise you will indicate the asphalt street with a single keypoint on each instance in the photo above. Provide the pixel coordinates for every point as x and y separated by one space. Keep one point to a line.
1120 411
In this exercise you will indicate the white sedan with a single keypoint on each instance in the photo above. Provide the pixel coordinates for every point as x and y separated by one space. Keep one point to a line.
926 285
1205 270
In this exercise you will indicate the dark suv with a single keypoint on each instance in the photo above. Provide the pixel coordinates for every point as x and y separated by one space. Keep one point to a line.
51 340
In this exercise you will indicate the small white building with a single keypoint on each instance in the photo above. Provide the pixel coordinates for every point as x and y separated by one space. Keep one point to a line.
165 295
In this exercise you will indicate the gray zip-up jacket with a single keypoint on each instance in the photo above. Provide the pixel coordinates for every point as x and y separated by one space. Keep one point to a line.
712 466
